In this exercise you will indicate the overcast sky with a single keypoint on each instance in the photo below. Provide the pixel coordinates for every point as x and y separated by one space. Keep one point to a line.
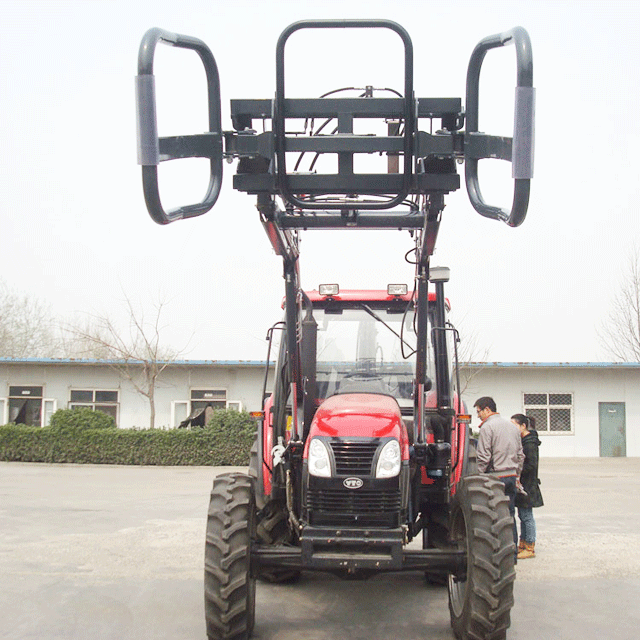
75 231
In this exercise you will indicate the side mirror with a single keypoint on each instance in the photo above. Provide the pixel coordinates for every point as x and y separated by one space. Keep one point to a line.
153 150
517 150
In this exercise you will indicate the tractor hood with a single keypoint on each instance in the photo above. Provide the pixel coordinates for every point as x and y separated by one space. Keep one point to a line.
361 415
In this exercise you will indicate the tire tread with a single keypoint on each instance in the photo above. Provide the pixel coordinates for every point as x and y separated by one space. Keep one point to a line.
482 508
229 588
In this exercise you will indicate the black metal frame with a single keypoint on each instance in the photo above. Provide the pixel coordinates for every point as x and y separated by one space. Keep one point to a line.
153 150
447 560
329 200
518 151
345 144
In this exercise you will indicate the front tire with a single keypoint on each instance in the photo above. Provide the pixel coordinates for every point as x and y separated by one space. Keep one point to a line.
480 602
229 588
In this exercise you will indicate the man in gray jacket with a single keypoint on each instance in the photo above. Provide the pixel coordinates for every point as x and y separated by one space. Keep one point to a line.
500 451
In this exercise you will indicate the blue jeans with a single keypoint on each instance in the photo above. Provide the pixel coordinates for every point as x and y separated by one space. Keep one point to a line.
527 524
510 491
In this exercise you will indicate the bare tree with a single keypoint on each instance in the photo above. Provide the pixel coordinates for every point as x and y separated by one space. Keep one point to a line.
470 350
619 334
135 351
27 327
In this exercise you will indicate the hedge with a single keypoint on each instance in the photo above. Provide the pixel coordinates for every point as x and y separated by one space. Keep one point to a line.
81 418
226 440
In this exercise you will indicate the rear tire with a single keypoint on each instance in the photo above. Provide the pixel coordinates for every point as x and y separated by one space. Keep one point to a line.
470 467
439 520
435 536
255 471
273 530
272 527
229 588
480 603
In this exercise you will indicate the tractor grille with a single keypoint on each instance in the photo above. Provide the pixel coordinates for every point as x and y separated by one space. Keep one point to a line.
354 457
355 507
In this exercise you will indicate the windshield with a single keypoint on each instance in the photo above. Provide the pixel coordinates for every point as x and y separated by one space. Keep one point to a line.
359 350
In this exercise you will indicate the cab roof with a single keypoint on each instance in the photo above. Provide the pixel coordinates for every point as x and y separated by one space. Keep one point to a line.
364 295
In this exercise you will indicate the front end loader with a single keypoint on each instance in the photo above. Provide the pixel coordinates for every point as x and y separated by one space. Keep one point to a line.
364 444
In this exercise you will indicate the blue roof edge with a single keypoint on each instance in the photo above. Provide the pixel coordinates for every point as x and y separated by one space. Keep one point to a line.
556 365
234 363
261 363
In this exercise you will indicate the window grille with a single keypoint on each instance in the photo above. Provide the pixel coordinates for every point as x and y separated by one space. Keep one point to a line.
553 412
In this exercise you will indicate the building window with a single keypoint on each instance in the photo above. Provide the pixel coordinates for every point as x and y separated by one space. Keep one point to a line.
553 412
199 409
203 398
96 400
28 406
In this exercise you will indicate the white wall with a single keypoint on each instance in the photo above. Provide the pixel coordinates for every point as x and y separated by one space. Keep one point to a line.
241 382
589 385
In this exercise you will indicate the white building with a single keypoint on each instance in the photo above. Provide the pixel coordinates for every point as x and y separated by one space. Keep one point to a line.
32 389
581 409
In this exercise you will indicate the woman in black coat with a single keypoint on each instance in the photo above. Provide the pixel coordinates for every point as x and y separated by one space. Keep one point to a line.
530 482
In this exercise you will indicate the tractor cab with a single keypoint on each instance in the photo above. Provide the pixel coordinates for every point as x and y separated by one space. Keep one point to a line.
365 343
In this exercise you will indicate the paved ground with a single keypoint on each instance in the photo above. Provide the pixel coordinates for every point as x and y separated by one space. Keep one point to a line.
116 553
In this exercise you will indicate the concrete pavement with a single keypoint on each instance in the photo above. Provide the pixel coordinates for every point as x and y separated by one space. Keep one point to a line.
115 553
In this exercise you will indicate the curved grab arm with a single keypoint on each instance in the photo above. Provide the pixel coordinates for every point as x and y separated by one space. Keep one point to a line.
522 146
279 115
153 150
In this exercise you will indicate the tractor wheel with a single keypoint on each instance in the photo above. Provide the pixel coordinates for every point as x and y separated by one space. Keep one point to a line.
229 588
272 527
470 466
254 472
435 536
480 602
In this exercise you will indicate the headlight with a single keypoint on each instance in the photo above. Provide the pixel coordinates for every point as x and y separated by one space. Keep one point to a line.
389 461
319 460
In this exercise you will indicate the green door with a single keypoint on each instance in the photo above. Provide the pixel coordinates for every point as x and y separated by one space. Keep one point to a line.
613 438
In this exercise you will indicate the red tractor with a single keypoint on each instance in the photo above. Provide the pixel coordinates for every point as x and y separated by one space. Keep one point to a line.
364 443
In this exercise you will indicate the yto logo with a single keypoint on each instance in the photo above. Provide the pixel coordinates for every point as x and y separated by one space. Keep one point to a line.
352 483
